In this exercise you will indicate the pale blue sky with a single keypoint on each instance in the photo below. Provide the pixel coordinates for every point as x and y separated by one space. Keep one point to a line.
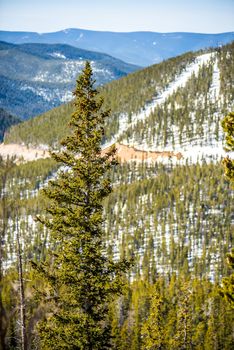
204 16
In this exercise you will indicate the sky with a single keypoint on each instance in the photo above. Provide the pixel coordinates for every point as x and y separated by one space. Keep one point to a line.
200 16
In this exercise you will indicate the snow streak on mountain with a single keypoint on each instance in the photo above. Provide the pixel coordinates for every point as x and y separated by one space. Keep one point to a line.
192 151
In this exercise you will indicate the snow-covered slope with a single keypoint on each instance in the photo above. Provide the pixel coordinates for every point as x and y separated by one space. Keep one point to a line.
208 145
180 81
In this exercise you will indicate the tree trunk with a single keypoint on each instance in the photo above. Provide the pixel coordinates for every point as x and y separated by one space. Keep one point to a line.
22 297
4 219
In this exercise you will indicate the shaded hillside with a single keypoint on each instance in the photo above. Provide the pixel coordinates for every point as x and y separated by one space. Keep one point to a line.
6 120
37 77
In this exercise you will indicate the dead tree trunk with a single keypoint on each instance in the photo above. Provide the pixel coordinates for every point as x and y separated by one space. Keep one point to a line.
22 297
3 230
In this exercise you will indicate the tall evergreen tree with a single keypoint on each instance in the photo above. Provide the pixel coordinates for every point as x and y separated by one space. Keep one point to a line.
227 288
81 280
6 165
182 338
153 329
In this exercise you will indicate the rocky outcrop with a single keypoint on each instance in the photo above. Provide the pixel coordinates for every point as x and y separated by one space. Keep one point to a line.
126 153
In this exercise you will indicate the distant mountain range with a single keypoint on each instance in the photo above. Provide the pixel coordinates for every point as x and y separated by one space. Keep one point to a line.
37 77
140 48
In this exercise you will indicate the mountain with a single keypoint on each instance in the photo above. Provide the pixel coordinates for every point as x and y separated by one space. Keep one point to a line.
6 120
176 106
139 48
166 123
127 95
171 208
37 77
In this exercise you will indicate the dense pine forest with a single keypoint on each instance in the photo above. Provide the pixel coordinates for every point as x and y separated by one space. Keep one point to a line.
166 229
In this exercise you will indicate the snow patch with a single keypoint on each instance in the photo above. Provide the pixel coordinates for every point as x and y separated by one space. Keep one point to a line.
80 37
58 55
215 86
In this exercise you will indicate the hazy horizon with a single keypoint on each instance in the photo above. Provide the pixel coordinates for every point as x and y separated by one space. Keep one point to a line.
112 31
209 16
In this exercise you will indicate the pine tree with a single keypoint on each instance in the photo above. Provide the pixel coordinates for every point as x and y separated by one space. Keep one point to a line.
153 329
6 165
182 338
227 289
228 127
81 280
22 322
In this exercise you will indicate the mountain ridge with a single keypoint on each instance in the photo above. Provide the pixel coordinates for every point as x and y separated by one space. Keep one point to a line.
142 48
147 83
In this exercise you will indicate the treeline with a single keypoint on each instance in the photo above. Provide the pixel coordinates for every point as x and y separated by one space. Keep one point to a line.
191 112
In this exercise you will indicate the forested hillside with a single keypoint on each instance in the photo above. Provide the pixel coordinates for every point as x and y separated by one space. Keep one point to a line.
176 223
167 223
173 219
149 113
126 95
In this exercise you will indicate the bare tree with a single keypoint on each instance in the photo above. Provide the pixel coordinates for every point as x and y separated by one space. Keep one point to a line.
21 290
5 168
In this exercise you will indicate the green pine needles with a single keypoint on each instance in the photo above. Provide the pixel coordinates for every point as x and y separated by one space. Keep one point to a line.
228 128
80 281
